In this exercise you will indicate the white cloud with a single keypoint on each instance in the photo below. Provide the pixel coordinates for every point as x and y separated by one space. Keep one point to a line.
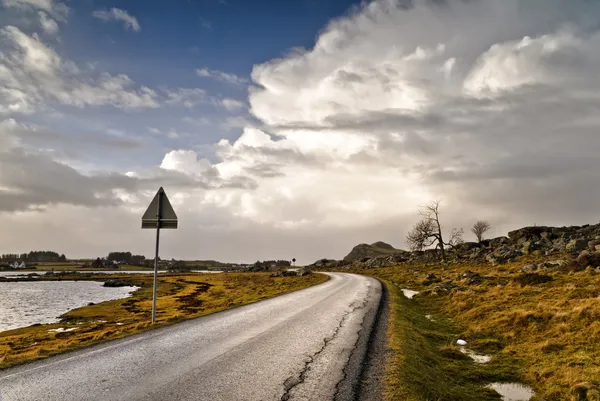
31 74
185 161
205 23
221 76
232 104
559 58
116 14
188 97
56 9
48 24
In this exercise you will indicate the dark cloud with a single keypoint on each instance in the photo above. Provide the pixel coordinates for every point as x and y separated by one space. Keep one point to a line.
32 181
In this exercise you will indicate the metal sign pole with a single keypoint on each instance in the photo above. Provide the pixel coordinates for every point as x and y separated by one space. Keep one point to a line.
158 217
160 214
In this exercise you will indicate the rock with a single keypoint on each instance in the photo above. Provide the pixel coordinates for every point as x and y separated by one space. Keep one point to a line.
495 261
440 289
528 232
585 392
461 342
466 246
586 258
472 278
528 247
576 245
304 272
497 242
116 283
593 244
554 264
529 268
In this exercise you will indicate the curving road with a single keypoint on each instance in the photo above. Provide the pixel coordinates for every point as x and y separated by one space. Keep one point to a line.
307 345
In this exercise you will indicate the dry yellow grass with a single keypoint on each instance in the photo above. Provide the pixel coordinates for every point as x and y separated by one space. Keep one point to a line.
180 297
547 333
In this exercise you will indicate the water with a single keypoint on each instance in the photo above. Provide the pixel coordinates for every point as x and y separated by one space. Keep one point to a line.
25 303
409 293
478 358
41 272
513 391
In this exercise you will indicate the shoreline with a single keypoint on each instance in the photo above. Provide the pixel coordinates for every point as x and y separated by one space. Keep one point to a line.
181 296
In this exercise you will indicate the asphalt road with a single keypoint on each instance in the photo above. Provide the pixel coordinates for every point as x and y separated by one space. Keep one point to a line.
300 346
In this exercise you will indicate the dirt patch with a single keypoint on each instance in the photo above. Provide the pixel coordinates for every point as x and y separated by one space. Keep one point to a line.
191 303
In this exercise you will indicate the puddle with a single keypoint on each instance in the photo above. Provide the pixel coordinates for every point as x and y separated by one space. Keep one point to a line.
61 330
409 293
478 358
513 391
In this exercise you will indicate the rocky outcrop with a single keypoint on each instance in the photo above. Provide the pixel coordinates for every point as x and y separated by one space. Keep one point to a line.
576 247
117 283
366 251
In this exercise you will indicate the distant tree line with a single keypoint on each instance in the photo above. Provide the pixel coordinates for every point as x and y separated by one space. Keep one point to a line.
126 257
269 263
33 257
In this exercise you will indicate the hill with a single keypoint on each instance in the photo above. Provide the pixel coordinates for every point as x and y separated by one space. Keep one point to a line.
374 250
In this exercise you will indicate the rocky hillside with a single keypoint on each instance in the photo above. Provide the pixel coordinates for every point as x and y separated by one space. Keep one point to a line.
575 247
366 251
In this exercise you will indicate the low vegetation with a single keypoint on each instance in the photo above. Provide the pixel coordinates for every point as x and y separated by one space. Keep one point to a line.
541 328
180 297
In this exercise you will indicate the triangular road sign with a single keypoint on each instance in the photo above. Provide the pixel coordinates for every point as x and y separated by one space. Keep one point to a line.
160 209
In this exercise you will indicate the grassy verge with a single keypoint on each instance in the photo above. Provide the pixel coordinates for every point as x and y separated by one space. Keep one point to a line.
180 297
424 362
541 329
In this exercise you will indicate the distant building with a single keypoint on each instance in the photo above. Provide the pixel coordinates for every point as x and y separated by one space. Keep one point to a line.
103 264
18 265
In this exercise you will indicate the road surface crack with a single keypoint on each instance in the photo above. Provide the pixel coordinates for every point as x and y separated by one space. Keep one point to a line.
294 381
358 338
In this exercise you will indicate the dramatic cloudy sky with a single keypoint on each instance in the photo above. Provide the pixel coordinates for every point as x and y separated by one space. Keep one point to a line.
285 129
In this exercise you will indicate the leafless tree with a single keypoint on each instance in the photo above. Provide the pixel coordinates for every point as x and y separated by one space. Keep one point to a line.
480 228
428 231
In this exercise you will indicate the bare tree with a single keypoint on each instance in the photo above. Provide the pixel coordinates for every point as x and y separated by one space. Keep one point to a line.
428 231
480 228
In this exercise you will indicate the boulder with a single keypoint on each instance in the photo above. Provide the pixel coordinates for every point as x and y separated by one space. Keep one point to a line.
529 268
498 241
585 392
116 283
494 260
466 247
555 264
576 245
528 247
430 276
304 271
528 233
586 258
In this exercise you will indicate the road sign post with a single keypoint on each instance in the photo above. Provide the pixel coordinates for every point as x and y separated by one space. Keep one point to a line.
160 214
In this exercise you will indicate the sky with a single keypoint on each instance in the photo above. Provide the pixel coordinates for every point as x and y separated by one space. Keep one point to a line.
293 129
